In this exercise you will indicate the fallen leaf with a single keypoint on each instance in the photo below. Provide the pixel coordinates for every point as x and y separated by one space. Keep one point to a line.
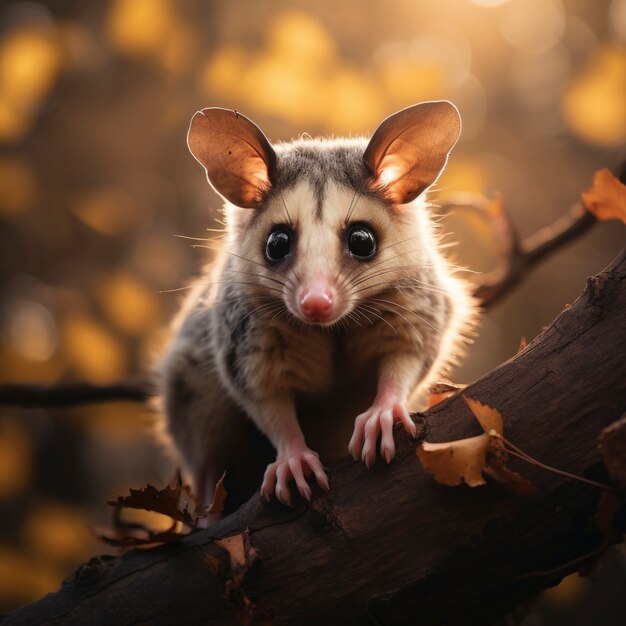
455 462
175 503
606 198
242 556
466 460
175 500
513 481
235 547
489 418
217 506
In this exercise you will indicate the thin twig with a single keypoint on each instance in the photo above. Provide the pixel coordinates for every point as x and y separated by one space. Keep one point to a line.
72 393
519 453
522 255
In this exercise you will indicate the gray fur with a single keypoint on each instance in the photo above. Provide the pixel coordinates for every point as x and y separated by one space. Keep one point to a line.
319 162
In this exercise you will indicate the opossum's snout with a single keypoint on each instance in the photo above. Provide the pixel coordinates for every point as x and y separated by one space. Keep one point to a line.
316 302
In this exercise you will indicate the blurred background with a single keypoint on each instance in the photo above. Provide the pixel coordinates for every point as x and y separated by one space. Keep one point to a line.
96 182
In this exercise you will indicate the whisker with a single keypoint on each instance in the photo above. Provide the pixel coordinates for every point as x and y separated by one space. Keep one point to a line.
370 266
351 206
376 312
405 319
289 220
256 309
240 282
275 280
243 258
390 302
405 283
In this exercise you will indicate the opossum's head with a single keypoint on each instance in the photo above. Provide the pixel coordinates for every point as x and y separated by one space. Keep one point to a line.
320 226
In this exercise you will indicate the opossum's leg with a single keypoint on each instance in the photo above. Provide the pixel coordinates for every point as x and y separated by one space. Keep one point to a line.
395 383
202 421
294 459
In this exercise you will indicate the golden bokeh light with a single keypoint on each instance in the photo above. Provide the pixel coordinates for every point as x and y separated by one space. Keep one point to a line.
302 38
355 104
18 184
129 305
406 78
108 210
139 27
92 349
30 62
222 72
594 105
16 457
31 330
533 26
57 532
25 578
489 3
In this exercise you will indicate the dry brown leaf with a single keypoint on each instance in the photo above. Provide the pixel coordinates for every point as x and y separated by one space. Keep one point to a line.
466 460
217 506
489 418
513 481
175 500
606 198
242 556
455 462
234 545
175 503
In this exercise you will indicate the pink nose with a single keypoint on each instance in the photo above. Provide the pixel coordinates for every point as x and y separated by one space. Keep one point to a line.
316 304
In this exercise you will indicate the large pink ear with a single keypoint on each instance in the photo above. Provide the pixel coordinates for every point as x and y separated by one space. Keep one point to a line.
410 148
240 162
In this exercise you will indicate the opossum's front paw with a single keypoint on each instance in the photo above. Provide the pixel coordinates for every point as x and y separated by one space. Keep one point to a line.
378 420
294 463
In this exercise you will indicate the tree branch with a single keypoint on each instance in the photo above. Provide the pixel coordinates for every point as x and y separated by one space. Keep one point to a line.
521 256
388 545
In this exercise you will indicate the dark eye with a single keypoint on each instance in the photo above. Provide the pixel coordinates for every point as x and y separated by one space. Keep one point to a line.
361 241
278 244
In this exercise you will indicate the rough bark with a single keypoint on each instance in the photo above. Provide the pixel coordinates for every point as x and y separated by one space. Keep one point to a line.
389 545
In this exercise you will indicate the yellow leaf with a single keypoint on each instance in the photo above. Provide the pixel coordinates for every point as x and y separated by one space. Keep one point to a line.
453 462
489 418
466 460
606 198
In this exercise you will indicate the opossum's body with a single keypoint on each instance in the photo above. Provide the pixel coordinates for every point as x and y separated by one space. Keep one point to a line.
327 297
